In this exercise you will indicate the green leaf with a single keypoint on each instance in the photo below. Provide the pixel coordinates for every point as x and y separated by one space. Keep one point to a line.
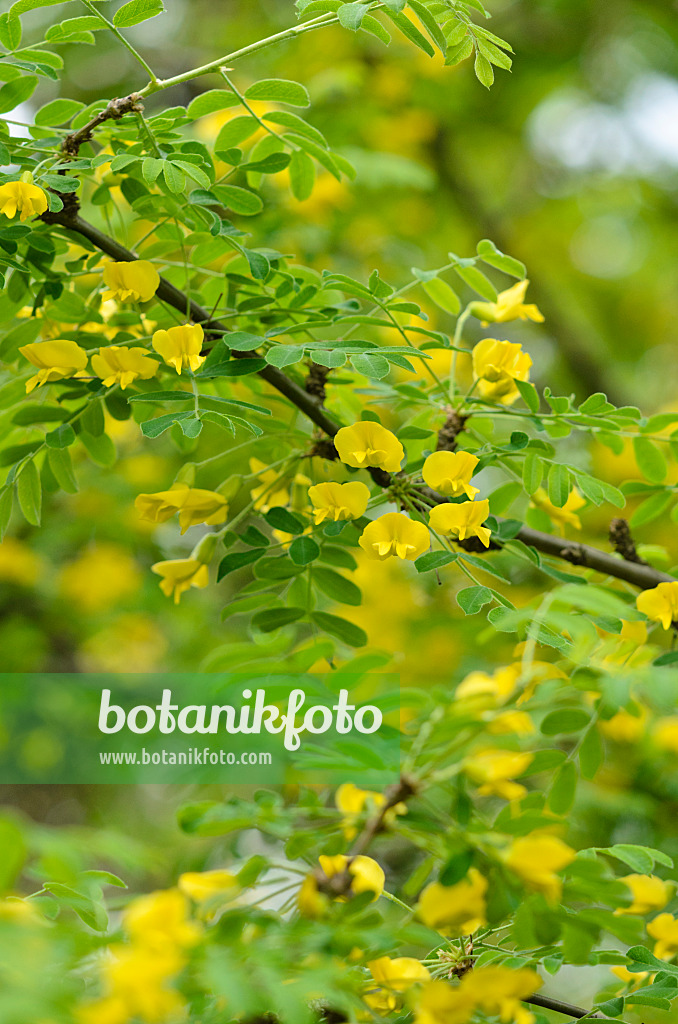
564 788
533 472
16 92
241 200
237 560
302 175
29 493
258 264
157 426
484 70
280 519
10 31
591 754
59 460
136 11
476 280
303 550
151 168
211 101
328 357
336 586
62 437
559 485
565 720
104 878
410 31
434 560
276 618
175 179
58 112
343 630
351 15
639 858
279 90
472 599
650 460
93 914
529 394
284 355
652 508
6 503
443 295
374 366
234 132
99 447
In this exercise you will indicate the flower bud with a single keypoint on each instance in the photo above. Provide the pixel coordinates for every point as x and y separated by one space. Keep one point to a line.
205 548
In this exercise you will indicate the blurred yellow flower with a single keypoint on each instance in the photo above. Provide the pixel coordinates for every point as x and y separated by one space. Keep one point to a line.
463 520
393 977
193 504
493 770
536 859
510 305
627 728
338 501
450 473
516 723
22 197
180 574
161 920
311 902
458 909
633 978
649 893
367 443
55 360
498 991
366 874
394 534
102 576
353 801
129 639
498 686
201 886
119 365
180 346
133 281
660 604
665 734
664 929
439 1003
565 516
270 492
18 564
497 365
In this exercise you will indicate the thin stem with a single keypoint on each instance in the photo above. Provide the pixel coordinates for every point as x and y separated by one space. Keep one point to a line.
116 32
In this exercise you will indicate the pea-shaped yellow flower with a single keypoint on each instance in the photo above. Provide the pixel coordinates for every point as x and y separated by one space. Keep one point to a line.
179 575
649 894
193 504
161 919
450 473
510 305
180 346
23 198
338 501
366 874
497 365
536 859
55 360
202 886
367 443
498 991
664 929
271 491
439 1003
130 281
660 604
119 365
494 771
394 534
463 520
457 909
393 977
353 801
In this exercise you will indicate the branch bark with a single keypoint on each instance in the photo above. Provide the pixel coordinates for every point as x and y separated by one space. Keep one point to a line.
567 1009
642 576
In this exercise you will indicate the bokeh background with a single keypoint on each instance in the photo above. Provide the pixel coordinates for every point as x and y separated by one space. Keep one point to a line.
570 164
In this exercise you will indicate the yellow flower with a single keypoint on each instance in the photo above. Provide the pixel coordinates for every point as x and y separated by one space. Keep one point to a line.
665 734
310 901
494 771
497 365
118 365
180 574
160 920
394 534
664 929
205 885
367 443
130 281
455 909
352 801
180 346
18 564
450 473
565 516
393 977
536 859
439 1003
649 893
463 520
635 978
627 728
55 361
498 687
516 723
366 874
498 991
338 501
103 575
193 504
510 305
660 604
270 493
137 978
28 200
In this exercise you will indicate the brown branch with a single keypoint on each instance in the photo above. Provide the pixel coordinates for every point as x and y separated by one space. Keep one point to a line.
642 576
116 109
622 541
567 1009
